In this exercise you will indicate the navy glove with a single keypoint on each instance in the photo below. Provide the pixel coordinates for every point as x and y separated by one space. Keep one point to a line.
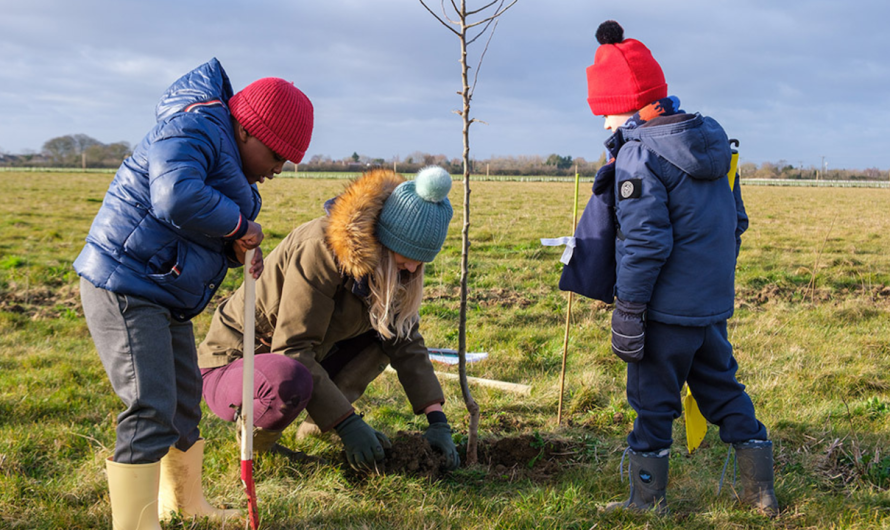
364 445
628 330
439 437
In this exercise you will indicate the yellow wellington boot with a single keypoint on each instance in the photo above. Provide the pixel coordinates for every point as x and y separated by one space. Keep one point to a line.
133 490
266 441
180 486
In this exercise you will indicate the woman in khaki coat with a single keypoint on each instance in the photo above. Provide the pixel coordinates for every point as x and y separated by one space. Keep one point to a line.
337 302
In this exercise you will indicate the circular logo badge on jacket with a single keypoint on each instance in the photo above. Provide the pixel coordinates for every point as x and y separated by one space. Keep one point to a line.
627 189
630 189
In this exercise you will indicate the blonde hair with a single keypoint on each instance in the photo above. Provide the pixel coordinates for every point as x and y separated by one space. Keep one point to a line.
394 302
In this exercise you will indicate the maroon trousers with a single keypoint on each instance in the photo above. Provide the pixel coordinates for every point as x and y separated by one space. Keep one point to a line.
282 386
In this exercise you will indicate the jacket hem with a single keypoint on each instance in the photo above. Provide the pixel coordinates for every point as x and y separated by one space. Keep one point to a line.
685 320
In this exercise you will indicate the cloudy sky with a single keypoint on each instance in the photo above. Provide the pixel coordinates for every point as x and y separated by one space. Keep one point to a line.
794 81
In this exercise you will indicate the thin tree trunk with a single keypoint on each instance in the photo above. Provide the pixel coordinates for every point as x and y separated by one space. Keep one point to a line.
467 95
472 406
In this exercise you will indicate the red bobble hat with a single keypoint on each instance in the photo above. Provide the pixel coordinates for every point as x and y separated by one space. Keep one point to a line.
277 113
624 77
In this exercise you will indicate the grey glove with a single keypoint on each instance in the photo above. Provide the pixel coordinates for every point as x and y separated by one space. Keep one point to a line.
364 445
439 437
628 330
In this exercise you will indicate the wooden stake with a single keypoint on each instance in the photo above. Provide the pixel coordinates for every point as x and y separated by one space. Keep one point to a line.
565 343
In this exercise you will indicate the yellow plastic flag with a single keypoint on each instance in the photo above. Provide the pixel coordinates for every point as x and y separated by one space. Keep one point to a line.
733 166
696 426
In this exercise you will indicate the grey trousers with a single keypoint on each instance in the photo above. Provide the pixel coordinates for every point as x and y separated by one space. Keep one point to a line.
152 364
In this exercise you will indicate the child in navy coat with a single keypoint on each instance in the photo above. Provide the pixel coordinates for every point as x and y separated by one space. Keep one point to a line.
678 228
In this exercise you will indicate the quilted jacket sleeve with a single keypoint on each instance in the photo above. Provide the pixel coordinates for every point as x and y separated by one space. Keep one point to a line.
644 223
181 156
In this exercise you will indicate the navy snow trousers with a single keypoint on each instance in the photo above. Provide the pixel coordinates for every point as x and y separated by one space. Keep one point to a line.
701 357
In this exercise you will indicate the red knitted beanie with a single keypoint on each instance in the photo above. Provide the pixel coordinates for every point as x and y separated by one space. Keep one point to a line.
624 77
277 113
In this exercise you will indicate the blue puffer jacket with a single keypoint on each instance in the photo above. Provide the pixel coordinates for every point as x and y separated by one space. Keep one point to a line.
679 223
175 204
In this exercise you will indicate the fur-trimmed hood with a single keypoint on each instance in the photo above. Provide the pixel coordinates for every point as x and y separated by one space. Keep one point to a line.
351 233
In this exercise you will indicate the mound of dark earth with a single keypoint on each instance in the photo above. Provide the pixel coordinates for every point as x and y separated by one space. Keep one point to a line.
510 458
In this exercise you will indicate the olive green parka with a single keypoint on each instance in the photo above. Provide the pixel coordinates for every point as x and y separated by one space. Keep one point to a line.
307 301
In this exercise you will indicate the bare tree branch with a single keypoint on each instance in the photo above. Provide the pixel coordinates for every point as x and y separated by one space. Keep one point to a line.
481 57
456 10
487 23
481 32
497 13
502 11
483 8
439 18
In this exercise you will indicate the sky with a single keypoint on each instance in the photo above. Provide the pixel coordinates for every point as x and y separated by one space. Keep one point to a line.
799 82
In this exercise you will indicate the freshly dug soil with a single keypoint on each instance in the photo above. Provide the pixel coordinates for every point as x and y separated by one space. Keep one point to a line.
412 455
526 456
511 458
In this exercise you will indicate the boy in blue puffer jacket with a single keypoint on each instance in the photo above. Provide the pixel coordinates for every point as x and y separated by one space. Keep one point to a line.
679 227
179 213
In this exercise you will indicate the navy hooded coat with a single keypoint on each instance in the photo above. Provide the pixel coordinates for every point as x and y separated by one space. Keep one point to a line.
679 222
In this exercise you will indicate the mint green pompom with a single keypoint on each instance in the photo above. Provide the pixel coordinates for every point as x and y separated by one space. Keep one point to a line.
432 184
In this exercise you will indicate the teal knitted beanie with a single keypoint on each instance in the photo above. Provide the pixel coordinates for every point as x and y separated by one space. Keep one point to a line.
414 220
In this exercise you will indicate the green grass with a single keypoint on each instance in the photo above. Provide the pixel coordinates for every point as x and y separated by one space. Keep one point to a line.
811 334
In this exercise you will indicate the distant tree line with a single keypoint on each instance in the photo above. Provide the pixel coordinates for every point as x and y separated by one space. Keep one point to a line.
783 170
559 165
80 150
554 164
72 150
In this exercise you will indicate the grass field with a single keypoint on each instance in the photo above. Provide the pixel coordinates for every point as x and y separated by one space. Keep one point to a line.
811 335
